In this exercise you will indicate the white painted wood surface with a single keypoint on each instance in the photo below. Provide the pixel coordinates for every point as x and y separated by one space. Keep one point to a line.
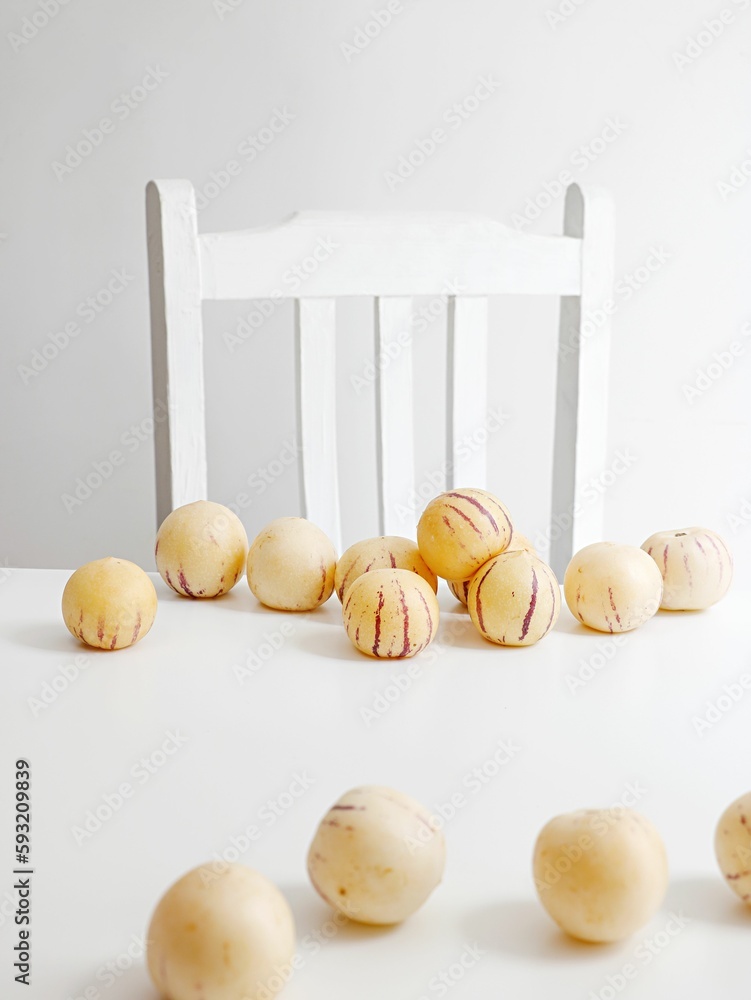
580 449
467 391
339 253
316 257
252 717
315 330
395 448
176 345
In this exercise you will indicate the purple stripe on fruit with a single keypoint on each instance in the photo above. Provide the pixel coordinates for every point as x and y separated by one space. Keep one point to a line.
469 520
531 608
476 503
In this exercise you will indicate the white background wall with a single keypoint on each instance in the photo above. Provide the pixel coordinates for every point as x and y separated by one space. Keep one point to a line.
218 73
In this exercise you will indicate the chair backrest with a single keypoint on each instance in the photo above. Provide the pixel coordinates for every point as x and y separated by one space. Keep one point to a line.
317 257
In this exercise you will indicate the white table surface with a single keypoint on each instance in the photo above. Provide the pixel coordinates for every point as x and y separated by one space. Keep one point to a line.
301 714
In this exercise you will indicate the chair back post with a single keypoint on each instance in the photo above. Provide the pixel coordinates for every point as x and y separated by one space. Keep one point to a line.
176 345
580 449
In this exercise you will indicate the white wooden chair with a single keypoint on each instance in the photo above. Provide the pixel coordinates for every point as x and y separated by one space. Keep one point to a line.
391 258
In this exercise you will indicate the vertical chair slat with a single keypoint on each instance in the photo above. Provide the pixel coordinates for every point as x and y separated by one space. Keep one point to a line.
466 391
315 332
176 345
395 452
582 389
